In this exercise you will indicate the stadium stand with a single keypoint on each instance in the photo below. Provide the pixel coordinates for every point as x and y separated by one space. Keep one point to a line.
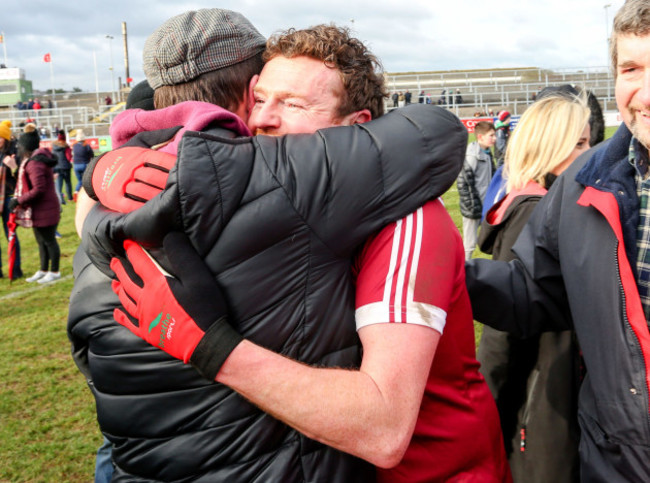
482 90
496 89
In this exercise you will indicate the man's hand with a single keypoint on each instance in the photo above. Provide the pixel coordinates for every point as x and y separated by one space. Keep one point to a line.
124 179
185 316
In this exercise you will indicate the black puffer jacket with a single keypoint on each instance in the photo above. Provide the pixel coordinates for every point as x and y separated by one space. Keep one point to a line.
279 229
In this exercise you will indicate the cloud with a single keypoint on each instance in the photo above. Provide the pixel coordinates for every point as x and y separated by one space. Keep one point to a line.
414 36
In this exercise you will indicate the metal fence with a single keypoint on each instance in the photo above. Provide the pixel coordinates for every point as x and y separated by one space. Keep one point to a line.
512 89
93 121
482 91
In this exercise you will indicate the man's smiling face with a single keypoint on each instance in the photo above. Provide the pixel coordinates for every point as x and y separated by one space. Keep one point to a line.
633 84
296 95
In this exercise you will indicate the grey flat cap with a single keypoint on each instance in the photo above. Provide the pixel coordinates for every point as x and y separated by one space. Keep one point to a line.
196 42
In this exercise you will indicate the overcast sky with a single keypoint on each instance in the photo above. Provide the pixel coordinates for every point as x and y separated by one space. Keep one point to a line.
416 35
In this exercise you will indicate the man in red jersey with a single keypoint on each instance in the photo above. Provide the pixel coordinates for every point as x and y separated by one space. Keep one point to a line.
417 407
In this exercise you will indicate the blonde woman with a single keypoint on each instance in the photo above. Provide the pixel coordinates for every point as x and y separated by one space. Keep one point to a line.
535 381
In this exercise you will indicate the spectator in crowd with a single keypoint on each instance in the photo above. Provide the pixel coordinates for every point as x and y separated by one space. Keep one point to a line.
36 204
421 97
443 98
401 99
7 186
82 154
596 120
473 182
218 79
37 105
395 98
582 263
407 98
496 191
30 104
502 126
63 169
535 381
459 97
141 97
108 100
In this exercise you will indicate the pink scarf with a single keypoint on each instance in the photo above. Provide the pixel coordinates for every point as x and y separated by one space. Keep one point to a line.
192 115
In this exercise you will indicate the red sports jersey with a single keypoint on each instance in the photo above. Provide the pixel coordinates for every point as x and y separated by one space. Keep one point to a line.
413 272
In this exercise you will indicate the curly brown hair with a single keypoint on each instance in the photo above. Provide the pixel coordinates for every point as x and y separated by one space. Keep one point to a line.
360 71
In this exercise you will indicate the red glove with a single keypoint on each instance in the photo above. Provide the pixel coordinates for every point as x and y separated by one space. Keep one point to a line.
184 316
124 179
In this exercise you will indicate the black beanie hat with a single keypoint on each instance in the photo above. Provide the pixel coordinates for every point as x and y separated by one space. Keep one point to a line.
29 140
141 97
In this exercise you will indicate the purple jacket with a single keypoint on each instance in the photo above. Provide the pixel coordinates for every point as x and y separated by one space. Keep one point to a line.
38 188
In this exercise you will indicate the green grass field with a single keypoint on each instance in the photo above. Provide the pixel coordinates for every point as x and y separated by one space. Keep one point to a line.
47 423
48 428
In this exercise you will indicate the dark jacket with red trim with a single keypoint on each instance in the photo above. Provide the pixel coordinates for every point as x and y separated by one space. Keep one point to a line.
575 268
277 221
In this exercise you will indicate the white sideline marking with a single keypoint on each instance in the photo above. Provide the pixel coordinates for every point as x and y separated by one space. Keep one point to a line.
37 286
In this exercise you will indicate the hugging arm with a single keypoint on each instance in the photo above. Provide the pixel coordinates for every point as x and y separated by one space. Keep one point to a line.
393 165
525 296
370 412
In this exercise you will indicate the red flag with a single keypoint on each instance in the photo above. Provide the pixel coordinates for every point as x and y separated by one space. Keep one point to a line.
129 79
11 245
2 38
47 58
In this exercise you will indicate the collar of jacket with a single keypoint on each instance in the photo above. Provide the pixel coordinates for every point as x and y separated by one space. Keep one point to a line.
43 155
608 170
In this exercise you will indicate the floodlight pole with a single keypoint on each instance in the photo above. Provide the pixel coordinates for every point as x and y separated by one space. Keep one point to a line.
4 47
110 49
606 7
96 76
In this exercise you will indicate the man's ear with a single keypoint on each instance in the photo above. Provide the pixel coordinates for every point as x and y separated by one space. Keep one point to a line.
251 97
358 117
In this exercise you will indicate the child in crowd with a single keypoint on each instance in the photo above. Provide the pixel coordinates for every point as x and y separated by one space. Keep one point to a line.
473 182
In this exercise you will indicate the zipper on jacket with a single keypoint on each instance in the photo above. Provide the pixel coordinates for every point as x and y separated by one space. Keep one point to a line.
628 326
531 384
